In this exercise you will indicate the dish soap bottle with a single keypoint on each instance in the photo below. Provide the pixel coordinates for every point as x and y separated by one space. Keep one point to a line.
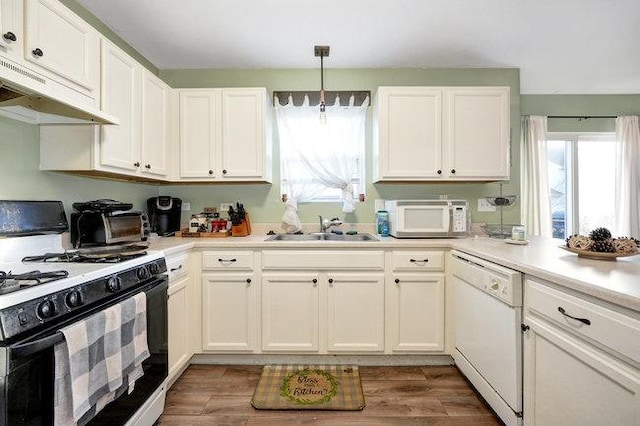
383 223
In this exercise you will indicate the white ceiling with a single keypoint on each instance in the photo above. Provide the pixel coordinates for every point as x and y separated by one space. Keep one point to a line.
560 46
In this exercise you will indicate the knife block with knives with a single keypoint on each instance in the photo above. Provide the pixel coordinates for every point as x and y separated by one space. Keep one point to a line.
240 224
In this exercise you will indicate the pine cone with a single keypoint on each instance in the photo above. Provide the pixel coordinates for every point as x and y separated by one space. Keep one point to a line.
600 234
603 246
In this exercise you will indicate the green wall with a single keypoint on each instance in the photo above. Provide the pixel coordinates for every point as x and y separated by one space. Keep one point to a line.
263 201
21 180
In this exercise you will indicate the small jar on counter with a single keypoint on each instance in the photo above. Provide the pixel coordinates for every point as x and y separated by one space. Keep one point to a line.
519 233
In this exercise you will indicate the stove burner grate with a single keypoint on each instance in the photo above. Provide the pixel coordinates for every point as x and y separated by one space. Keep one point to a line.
84 258
10 282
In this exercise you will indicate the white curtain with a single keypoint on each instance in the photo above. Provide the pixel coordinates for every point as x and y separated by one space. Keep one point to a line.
628 176
536 208
327 152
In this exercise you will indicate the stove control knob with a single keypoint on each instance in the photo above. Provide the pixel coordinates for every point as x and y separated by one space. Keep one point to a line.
73 299
143 273
154 268
46 309
114 284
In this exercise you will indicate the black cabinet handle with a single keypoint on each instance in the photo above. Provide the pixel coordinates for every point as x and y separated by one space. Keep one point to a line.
38 52
248 280
439 172
582 320
397 281
10 36
147 166
453 171
419 261
330 280
224 171
226 260
137 164
210 172
175 269
315 281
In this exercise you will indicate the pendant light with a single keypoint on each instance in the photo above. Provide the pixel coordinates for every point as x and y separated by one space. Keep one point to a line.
322 52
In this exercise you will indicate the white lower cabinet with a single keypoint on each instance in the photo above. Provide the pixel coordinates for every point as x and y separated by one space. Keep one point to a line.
230 291
415 301
229 312
178 293
177 306
579 373
323 301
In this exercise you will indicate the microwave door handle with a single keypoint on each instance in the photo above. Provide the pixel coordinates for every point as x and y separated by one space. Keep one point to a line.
30 348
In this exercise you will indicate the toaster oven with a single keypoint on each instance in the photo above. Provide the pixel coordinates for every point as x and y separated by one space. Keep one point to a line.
102 228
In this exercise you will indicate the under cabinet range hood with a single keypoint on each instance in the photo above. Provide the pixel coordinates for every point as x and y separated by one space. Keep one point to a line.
29 96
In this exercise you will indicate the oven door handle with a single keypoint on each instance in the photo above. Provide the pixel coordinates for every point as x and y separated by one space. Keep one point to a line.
30 348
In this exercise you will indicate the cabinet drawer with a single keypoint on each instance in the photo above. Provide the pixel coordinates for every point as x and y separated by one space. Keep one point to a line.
177 267
614 330
322 259
417 260
227 260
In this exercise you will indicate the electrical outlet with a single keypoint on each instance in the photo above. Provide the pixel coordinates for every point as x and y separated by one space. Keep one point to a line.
485 206
224 207
378 205
186 207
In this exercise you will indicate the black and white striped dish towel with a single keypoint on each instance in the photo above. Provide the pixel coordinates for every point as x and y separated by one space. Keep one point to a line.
100 358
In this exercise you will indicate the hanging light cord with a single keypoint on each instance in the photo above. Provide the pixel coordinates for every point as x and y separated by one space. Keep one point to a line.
322 104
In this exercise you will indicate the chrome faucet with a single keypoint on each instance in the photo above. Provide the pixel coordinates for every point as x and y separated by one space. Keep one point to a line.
325 224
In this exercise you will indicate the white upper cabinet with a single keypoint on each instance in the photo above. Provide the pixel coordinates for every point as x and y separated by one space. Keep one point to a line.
477 133
120 145
409 133
61 42
155 125
11 35
441 133
225 135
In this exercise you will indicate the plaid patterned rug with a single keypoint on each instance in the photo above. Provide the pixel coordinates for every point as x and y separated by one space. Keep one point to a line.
309 387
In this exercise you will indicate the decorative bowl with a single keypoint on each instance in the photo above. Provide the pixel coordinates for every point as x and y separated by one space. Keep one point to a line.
598 255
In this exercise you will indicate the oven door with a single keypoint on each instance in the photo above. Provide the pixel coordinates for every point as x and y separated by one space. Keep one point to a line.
27 367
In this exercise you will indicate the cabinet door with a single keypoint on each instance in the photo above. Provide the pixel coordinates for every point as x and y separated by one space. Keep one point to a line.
569 382
178 326
243 133
409 133
199 127
120 145
155 124
477 133
355 317
290 312
416 312
60 41
229 312
11 34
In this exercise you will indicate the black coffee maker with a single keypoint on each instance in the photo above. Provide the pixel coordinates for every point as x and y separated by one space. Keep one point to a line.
164 214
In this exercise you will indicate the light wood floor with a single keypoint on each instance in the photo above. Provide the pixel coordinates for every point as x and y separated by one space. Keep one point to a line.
434 395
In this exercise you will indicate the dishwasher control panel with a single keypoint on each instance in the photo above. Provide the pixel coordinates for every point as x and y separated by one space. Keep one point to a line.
501 282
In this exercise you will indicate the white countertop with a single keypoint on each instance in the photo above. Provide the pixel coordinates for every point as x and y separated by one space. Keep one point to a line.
617 281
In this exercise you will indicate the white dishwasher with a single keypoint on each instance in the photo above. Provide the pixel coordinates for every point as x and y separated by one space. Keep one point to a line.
487 303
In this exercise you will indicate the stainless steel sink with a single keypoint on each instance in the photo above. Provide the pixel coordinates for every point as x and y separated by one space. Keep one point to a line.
345 237
321 237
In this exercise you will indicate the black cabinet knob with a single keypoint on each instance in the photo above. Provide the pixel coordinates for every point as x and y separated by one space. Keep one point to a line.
224 171
439 172
330 280
9 36
38 52
315 281
210 172
453 171
248 280
147 166
137 164
397 281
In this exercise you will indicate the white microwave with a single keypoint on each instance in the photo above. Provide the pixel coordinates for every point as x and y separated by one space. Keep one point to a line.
428 218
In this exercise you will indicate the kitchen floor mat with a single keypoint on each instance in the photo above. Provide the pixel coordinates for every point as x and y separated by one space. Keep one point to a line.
309 387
